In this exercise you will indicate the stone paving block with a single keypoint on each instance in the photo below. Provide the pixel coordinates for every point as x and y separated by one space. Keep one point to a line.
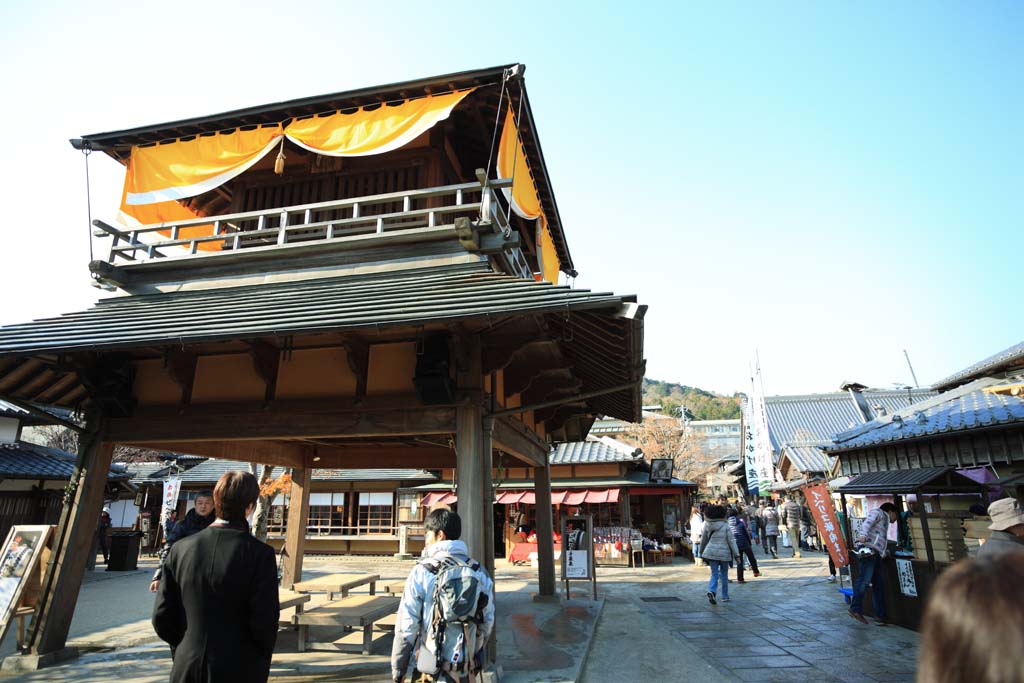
802 675
726 653
765 662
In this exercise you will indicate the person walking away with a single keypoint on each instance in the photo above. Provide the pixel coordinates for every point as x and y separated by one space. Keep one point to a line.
738 526
197 519
446 583
759 520
770 517
873 539
1007 528
217 602
102 533
718 549
789 522
975 613
807 530
170 522
696 529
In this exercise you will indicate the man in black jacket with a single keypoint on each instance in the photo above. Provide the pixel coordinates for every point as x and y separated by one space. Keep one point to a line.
217 604
197 519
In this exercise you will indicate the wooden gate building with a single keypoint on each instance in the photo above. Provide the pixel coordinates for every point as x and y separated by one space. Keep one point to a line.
361 279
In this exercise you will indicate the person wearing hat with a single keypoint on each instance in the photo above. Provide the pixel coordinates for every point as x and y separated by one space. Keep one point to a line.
1007 528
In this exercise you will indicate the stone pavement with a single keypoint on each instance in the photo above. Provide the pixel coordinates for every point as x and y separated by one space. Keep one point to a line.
652 624
788 625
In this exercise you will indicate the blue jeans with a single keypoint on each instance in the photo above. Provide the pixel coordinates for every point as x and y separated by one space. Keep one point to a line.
869 570
696 550
719 569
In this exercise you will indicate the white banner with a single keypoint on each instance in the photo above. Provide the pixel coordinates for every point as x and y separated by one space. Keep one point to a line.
762 440
170 500
749 450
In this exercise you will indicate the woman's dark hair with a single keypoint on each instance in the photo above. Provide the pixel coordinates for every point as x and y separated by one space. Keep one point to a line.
887 507
715 512
732 512
234 492
446 521
972 617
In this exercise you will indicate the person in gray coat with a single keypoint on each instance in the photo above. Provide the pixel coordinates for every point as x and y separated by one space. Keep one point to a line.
770 519
789 519
1007 528
718 549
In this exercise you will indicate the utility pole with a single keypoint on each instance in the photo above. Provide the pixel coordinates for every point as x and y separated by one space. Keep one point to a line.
907 356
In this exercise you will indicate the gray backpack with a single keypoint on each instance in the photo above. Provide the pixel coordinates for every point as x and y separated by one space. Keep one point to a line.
457 610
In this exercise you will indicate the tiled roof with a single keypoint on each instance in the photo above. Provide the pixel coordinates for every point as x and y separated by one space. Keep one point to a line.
589 452
907 481
209 472
962 409
808 458
1007 359
633 478
813 419
25 460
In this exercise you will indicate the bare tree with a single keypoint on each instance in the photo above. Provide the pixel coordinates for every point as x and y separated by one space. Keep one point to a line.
261 515
661 437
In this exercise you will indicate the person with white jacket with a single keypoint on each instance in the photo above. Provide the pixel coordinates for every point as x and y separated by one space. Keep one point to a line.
696 529
416 611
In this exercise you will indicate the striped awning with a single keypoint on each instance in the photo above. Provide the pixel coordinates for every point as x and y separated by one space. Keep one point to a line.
438 498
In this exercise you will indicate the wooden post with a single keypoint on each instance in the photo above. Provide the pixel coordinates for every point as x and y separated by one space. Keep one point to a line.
470 461
295 532
488 498
924 530
545 548
75 534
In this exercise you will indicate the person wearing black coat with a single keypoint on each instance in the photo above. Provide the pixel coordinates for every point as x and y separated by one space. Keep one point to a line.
217 603
743 544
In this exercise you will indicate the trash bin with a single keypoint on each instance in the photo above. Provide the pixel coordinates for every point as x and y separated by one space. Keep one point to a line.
124 551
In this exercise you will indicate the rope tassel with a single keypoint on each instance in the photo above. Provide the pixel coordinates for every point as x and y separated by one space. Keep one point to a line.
279 161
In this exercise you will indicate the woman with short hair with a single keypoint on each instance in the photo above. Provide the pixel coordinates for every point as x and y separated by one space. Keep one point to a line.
217 604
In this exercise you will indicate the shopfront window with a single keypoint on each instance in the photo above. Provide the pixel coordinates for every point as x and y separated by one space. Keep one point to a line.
375 513
326 514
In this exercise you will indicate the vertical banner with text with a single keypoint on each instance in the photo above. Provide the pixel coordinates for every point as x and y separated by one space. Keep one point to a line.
824 510
750 450
170 500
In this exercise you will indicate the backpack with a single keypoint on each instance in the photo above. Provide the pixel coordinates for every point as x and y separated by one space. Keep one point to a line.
770 516
457 607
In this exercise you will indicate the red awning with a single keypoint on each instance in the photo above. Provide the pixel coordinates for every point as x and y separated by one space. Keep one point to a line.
437 498
514 497
584 496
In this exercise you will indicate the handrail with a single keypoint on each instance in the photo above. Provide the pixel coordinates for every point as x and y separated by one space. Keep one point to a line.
304 222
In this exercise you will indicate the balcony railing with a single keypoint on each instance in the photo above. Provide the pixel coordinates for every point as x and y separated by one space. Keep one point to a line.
473 210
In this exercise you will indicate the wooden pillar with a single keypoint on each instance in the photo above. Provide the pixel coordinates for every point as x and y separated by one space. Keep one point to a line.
75 534
488 496
924 530
545 550
295 532
470 460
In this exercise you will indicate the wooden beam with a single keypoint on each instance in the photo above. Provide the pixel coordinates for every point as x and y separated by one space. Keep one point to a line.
282 423
375 457
280 453
522 373
181 365
358 356
266 359
295 532
513 437
501 352
545 527
73 543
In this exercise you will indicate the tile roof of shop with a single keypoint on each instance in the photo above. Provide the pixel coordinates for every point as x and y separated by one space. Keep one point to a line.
971 406
1006 360
211 470
25 460
808 458
908 481
592 452
813 419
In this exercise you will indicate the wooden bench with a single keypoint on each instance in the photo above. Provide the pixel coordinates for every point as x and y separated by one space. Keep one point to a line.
333 584
289 599
358 612
395 588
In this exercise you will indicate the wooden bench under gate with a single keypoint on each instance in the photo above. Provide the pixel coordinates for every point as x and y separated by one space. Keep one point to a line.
358 612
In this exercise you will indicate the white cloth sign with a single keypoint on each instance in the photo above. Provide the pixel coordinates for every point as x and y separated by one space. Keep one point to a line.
170 500
905 570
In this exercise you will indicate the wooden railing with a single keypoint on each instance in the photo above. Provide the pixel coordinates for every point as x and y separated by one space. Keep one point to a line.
410 212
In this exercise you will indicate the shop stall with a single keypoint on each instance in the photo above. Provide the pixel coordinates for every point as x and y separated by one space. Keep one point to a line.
934 505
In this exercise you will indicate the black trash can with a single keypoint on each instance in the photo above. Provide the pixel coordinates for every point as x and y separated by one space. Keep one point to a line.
124 551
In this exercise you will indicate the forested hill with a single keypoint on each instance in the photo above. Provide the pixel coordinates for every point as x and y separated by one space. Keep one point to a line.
703 405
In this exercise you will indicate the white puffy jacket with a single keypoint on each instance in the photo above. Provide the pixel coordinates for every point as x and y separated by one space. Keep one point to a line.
414 611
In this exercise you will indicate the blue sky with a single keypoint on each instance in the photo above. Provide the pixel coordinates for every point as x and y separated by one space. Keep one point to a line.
826 184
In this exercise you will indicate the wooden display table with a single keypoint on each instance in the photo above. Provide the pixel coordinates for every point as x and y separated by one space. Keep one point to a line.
333 584
358 612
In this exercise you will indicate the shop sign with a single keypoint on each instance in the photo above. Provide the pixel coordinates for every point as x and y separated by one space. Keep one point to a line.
172 487
908 584
578 551
820 501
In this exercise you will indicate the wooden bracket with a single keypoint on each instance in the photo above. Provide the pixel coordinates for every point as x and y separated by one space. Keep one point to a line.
358 356
266 359
108 379
181 365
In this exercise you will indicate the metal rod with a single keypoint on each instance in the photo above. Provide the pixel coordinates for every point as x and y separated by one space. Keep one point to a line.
912 374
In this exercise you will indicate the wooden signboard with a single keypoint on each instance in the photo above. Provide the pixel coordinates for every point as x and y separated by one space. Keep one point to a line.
578 551
20 577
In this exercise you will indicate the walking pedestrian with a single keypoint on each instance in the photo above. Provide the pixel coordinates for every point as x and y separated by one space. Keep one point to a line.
102 533
807 532
789 522
738 526
759 520
770 517
975 613
718 549
696 529
873 538
197 519
217 602
467 587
